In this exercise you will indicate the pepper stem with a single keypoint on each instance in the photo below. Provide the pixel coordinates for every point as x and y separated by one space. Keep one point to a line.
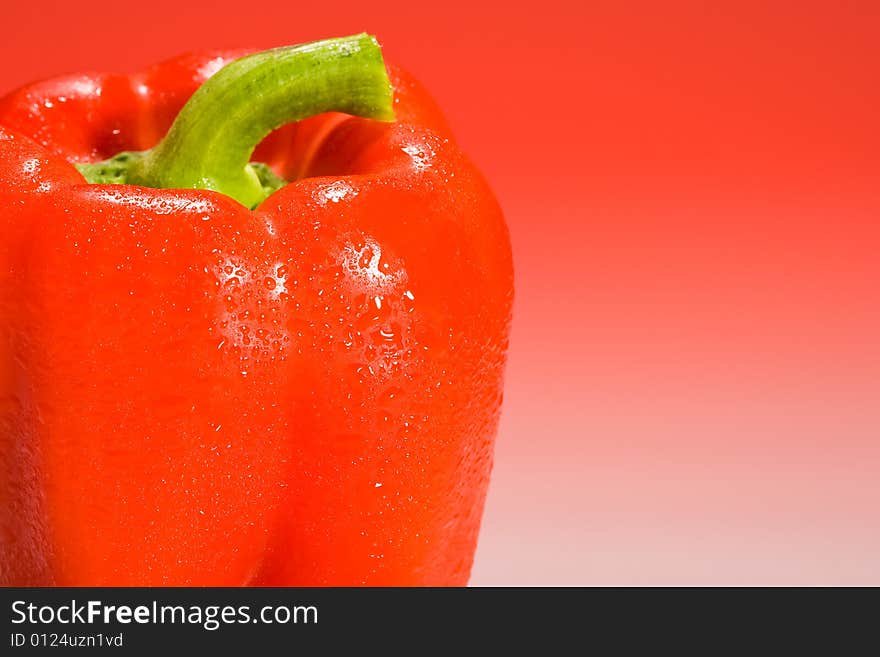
209 146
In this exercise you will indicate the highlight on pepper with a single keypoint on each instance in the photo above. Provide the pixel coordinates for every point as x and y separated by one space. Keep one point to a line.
254 316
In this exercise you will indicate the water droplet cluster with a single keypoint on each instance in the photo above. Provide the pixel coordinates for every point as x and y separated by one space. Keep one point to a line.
252 318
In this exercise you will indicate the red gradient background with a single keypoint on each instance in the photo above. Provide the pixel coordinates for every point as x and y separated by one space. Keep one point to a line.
693 191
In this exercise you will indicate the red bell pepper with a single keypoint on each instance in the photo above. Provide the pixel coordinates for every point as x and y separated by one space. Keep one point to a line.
197 392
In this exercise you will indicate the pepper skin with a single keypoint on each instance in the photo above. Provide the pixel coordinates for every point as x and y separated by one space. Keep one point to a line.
196 393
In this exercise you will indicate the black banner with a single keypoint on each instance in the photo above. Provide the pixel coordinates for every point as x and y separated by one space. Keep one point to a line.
408 620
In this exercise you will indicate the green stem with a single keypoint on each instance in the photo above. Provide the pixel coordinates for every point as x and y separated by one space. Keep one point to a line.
209 146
